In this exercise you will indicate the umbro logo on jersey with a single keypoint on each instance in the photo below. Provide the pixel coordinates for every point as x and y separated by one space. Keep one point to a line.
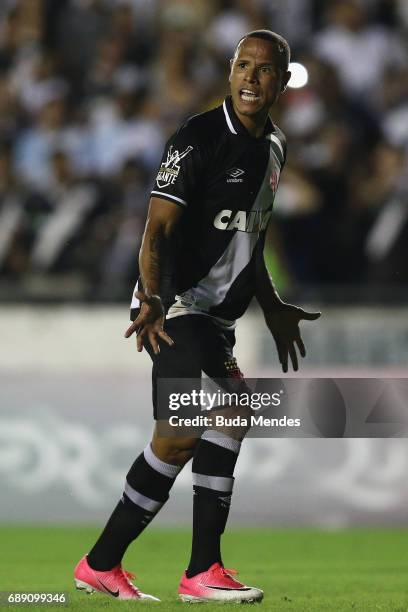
235 173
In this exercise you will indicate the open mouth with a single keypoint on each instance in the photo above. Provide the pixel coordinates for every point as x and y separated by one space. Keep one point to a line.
248 96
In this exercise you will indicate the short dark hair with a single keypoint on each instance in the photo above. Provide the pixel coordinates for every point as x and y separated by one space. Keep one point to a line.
281 44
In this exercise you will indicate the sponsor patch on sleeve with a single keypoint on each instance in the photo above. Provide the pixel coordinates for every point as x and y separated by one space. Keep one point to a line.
170 169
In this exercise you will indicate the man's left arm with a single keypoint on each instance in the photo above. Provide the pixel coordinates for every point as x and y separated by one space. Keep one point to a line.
281 318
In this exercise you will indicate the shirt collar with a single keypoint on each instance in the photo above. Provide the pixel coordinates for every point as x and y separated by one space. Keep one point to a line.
234 124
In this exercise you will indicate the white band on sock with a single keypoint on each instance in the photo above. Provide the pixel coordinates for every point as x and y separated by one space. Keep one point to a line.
219 438
141 500
216 483
167 469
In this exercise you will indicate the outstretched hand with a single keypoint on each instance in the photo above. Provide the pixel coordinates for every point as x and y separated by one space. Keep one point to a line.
283 324
149 324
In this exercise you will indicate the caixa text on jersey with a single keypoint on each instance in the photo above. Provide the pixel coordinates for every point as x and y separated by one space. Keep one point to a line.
242 220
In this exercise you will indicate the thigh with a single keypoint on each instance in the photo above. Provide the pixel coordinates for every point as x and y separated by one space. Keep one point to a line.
183 359
180 361
217 345
221 366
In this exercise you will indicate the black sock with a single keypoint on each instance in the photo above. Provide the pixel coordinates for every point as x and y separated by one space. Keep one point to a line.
213 467
147 487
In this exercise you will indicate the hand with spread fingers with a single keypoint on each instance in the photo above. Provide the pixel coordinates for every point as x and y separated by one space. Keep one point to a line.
283 324
149 324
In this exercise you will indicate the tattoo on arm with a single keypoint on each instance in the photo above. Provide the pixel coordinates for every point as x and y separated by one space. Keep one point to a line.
155 244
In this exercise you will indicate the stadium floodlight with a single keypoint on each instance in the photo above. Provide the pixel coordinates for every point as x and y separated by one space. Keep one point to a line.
300 75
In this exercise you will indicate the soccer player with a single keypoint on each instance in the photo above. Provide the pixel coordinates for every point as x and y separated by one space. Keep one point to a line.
201 263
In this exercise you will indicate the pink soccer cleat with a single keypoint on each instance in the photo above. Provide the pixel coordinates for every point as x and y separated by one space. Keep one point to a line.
217 584
115 582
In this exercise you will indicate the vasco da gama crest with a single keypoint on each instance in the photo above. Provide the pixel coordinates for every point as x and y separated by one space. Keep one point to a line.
169 170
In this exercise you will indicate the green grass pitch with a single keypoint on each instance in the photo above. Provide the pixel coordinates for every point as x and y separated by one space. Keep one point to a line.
299 570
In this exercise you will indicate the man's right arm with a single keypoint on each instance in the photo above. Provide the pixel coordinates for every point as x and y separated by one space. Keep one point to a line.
161 220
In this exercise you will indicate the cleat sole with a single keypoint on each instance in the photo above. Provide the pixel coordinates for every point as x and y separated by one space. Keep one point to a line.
191 599
83 586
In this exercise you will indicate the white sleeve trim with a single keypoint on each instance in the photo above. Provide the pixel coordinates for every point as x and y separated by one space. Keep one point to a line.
227 117
276 140
172 197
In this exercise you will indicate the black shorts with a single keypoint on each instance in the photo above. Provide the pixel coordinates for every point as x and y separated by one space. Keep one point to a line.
200 344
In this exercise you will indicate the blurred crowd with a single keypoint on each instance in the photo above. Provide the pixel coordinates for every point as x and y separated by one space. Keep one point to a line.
90 90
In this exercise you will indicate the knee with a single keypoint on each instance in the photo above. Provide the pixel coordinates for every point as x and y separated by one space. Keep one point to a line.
172 451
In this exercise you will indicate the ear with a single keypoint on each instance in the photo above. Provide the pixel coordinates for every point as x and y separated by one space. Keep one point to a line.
231 64
285 81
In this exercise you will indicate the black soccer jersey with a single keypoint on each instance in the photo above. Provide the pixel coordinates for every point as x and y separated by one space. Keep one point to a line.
226 181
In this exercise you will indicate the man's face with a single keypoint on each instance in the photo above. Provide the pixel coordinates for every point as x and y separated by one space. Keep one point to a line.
256 79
